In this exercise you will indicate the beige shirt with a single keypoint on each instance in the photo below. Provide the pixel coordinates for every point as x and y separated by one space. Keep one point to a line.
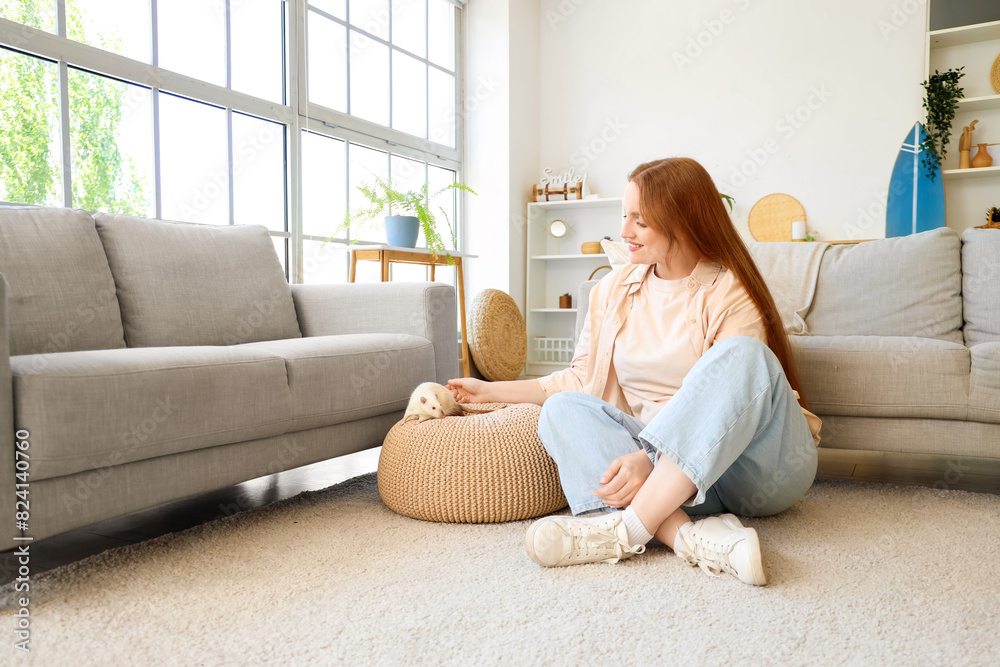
650 375
717 308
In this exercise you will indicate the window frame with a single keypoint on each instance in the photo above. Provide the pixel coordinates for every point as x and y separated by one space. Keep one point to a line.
295 115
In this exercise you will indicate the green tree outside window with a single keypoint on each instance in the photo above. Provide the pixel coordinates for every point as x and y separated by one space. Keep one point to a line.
30 169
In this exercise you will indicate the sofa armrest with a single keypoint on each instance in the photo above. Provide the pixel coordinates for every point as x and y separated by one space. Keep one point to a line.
418 308
7 523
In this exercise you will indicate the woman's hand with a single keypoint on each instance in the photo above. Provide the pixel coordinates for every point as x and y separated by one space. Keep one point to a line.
468 390
623 478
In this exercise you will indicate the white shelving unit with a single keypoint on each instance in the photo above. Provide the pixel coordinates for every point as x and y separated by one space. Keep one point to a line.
969 192
556 266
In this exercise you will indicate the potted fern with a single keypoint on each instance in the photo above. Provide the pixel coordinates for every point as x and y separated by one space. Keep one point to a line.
411 212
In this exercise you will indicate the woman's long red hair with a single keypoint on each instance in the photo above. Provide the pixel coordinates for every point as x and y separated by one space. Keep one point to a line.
678 199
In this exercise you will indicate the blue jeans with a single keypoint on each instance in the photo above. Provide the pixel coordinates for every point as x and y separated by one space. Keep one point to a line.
734 428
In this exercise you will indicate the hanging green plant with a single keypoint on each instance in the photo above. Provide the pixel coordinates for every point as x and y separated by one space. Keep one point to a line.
940 101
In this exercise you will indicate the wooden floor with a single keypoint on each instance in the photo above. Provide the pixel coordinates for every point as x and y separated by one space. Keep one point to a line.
81 543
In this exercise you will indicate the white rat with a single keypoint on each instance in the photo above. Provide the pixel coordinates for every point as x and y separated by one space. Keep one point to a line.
431 401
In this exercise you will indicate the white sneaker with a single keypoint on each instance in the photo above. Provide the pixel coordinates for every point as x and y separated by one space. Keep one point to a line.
722 544
565 540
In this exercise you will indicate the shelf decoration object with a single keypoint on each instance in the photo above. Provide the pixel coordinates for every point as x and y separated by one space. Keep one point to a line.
591 276
559 350
566 301
594 247
995 75
982 157
557 192
992 219
557 228
568 185
965 145
771 218
799 230
916 195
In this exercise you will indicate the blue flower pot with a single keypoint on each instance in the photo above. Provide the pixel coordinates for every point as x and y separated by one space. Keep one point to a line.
402 230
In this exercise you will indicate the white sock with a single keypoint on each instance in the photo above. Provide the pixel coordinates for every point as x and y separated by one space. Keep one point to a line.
636 531
681 532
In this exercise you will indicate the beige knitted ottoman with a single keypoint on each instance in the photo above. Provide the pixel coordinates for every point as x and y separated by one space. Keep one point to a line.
480 468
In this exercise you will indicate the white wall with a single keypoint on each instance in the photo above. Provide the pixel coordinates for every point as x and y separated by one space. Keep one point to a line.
501 114
812 99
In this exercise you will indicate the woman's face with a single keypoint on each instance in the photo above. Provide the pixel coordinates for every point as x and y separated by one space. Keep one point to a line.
645 245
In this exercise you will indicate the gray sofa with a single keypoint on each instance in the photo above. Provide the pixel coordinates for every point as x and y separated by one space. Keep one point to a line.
900 357
149 361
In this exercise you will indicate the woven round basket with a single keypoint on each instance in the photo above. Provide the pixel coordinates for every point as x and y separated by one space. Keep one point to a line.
995 75
498 339
480 468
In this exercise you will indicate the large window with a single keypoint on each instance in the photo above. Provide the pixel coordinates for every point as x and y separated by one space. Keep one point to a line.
265 112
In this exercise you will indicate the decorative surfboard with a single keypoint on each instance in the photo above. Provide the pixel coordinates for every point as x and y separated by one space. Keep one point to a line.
916 202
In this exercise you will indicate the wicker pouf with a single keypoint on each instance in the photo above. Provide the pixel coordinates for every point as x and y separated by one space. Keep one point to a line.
480 468
498 340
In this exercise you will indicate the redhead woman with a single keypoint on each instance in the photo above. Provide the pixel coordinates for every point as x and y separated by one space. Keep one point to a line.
682 398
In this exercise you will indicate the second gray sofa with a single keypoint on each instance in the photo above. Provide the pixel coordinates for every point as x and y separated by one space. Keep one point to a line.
900 357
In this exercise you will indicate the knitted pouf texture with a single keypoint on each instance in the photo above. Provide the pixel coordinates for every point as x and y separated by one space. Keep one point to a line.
498 339
480 468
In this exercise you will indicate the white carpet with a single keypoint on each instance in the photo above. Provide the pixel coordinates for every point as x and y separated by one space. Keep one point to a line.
858 574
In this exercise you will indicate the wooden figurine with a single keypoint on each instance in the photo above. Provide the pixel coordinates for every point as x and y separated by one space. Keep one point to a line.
965 145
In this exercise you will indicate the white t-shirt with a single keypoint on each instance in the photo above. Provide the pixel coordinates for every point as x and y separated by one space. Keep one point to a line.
650 375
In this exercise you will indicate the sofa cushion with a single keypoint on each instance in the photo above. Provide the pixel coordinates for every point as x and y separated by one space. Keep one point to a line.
981 284
97 409
883 376
61 295
335 379
984 389
906 286
190 284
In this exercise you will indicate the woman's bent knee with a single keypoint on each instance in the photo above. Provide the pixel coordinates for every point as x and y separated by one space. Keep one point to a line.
776 493
563 403
744 346
556 410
